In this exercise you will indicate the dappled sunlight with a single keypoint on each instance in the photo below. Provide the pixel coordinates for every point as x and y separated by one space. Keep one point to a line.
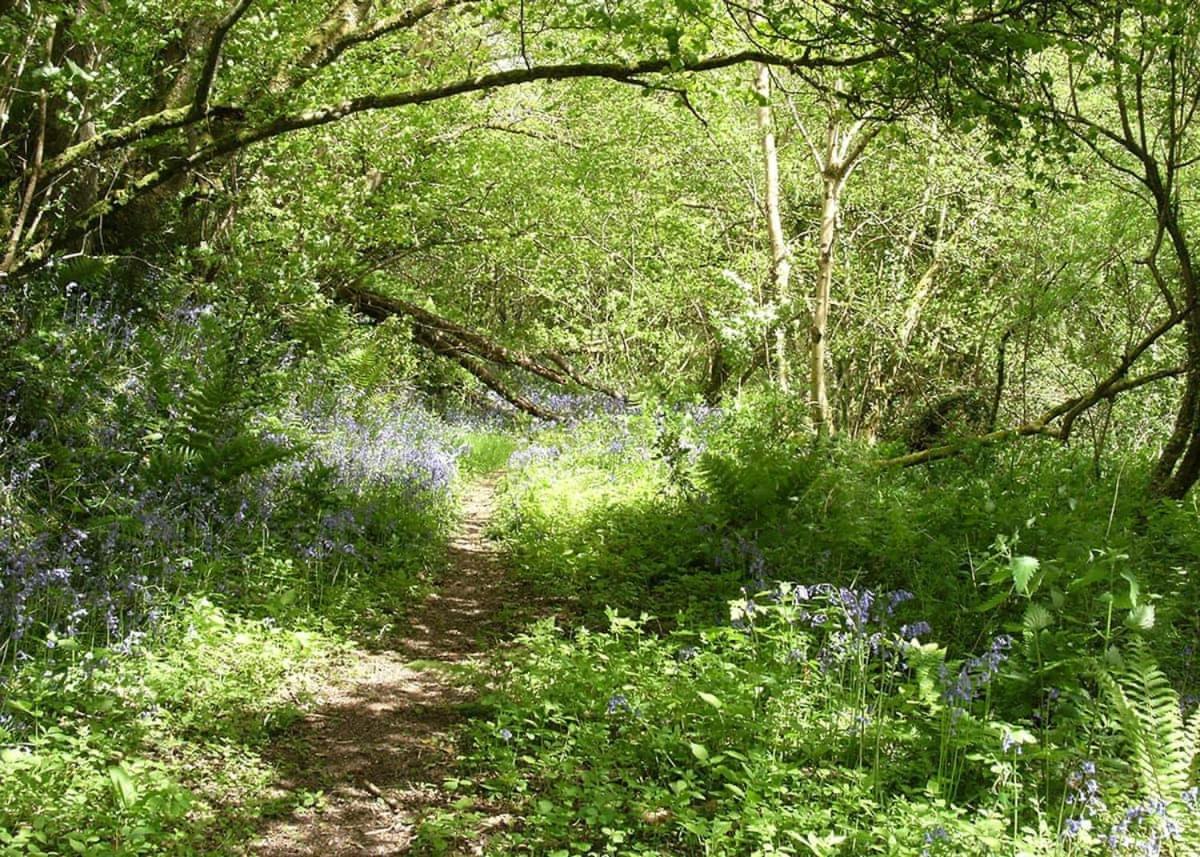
562 428
384 736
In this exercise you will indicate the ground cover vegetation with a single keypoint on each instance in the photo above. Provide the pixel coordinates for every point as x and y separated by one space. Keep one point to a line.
842 360
827 657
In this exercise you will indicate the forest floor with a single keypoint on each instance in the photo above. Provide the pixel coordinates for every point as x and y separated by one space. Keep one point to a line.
381 740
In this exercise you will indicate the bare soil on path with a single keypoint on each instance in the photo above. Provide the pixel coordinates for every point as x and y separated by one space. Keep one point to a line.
381 740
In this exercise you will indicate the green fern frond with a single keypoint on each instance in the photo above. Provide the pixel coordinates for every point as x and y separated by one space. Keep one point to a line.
85 270
1148 712
1193 737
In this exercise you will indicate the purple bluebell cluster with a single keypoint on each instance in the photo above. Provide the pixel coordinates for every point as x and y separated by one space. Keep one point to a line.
1083 790
397 443
702 414
857 609
684 434
1148 828
853 624
744 556
56 582
570 408
931 839
974 675
618 703
104 576
533 454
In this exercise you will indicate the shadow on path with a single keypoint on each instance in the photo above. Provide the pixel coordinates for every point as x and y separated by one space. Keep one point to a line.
383 738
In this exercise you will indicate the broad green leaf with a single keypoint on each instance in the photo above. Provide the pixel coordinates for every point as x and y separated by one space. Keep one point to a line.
1023 568
1036 618
124 788
1141 617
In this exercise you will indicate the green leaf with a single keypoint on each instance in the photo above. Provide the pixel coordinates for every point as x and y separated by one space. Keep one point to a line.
1135 589
1141 618
1023 568
1036 618
712 700
699 751
992 603
124 788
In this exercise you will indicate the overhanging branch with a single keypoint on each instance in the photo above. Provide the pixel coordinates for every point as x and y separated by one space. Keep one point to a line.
183 162
212 59
467 347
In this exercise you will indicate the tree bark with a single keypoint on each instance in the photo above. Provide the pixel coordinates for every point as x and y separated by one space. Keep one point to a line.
832 181
241 135
841 154
1178 466
1042 426
779 293
441 346
468 347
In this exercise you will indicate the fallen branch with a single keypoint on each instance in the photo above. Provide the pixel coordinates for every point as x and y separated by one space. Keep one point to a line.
1041 426
374 304
456 342
438 345
561 362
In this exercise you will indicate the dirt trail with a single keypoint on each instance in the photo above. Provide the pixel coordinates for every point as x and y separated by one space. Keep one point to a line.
381 742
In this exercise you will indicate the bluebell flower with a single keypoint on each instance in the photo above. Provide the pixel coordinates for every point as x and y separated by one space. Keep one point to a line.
1073 827
618 702
1083 790
932 837
915 630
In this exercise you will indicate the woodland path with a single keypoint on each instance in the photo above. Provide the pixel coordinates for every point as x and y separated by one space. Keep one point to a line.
381 740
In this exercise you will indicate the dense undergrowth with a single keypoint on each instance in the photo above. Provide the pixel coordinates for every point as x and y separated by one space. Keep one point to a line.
178 568
763 646
805 653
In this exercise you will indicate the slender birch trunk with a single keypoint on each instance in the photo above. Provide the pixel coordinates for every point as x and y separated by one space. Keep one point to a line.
781 266
832 182
843 151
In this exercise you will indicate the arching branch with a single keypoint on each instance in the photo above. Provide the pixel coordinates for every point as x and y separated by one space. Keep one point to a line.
469 348
1042 426
439 345
188 160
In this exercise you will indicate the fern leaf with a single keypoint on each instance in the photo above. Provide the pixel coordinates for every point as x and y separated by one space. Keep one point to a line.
1162 746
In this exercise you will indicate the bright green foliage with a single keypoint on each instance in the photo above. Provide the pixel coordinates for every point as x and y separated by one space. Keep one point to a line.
268 268
732 721
160 753
1163 745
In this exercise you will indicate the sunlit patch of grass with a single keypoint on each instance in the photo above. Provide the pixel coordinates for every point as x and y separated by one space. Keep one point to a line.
485 452
160 751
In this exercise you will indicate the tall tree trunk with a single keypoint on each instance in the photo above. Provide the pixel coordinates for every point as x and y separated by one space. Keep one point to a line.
835 162
781 266
832 182
1178 467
